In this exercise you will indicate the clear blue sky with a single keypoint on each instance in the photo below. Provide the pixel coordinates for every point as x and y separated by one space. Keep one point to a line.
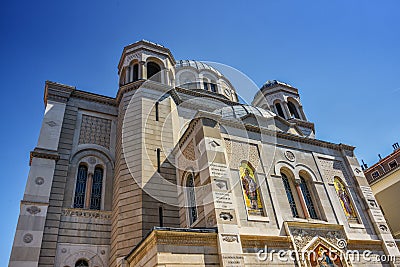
342 55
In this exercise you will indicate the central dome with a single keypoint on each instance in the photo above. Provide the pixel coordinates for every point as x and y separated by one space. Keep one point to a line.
197 65
196 75
239 111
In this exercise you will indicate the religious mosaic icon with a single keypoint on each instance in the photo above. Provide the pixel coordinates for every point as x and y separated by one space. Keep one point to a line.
344 199
323 257
251 192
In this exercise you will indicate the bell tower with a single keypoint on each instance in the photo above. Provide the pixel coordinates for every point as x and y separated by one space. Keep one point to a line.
284 100
145 60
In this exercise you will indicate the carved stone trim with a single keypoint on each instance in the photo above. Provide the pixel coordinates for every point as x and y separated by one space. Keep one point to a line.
290 155
28 238
33 210
39 180
97 214
230 238
43 154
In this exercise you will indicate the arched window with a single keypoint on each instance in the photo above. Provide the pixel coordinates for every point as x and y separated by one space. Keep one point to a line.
213 87
82 263
307 198
80 188
97 185
191 199
279 109
289 195
153 69
135 73
345 200
293 110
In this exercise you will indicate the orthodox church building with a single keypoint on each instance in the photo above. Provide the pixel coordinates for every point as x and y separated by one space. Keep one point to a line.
175 171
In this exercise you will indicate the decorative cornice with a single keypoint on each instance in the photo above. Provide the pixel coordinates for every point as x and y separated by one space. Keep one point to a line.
94 97
61 93
57 92
24 202
43 154
127 88
172 237
302 123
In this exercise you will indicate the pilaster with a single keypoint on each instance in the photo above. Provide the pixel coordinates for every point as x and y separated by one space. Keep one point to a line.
34 206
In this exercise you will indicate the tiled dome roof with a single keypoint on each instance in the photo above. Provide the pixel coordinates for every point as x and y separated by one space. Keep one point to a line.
242 110
197 65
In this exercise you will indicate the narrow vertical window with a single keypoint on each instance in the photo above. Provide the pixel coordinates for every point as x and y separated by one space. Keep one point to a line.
80 188
191 199
158 160
213 87
289 196
279 110
135 72
97 185
293 110
129 74
308 199
161 216
157 111
205 84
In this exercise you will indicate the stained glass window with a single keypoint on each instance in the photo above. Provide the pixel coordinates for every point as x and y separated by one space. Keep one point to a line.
251 191
345 200
97 185
308 199
80 189
289 195
191 198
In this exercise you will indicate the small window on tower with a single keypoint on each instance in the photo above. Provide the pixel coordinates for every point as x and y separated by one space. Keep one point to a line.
279 110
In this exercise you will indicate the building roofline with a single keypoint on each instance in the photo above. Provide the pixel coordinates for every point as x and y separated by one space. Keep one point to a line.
387 158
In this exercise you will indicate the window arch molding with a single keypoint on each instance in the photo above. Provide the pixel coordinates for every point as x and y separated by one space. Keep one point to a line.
156 74
101 160
185 77
70 259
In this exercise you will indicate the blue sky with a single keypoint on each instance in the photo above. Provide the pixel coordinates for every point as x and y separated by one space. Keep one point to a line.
342 55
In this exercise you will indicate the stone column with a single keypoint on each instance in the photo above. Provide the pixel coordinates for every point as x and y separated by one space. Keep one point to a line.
142 72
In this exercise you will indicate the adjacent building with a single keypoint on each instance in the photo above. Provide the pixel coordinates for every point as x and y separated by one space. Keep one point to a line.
175 171
384 179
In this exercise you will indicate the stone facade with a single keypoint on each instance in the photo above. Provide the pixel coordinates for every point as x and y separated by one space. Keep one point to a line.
174 171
